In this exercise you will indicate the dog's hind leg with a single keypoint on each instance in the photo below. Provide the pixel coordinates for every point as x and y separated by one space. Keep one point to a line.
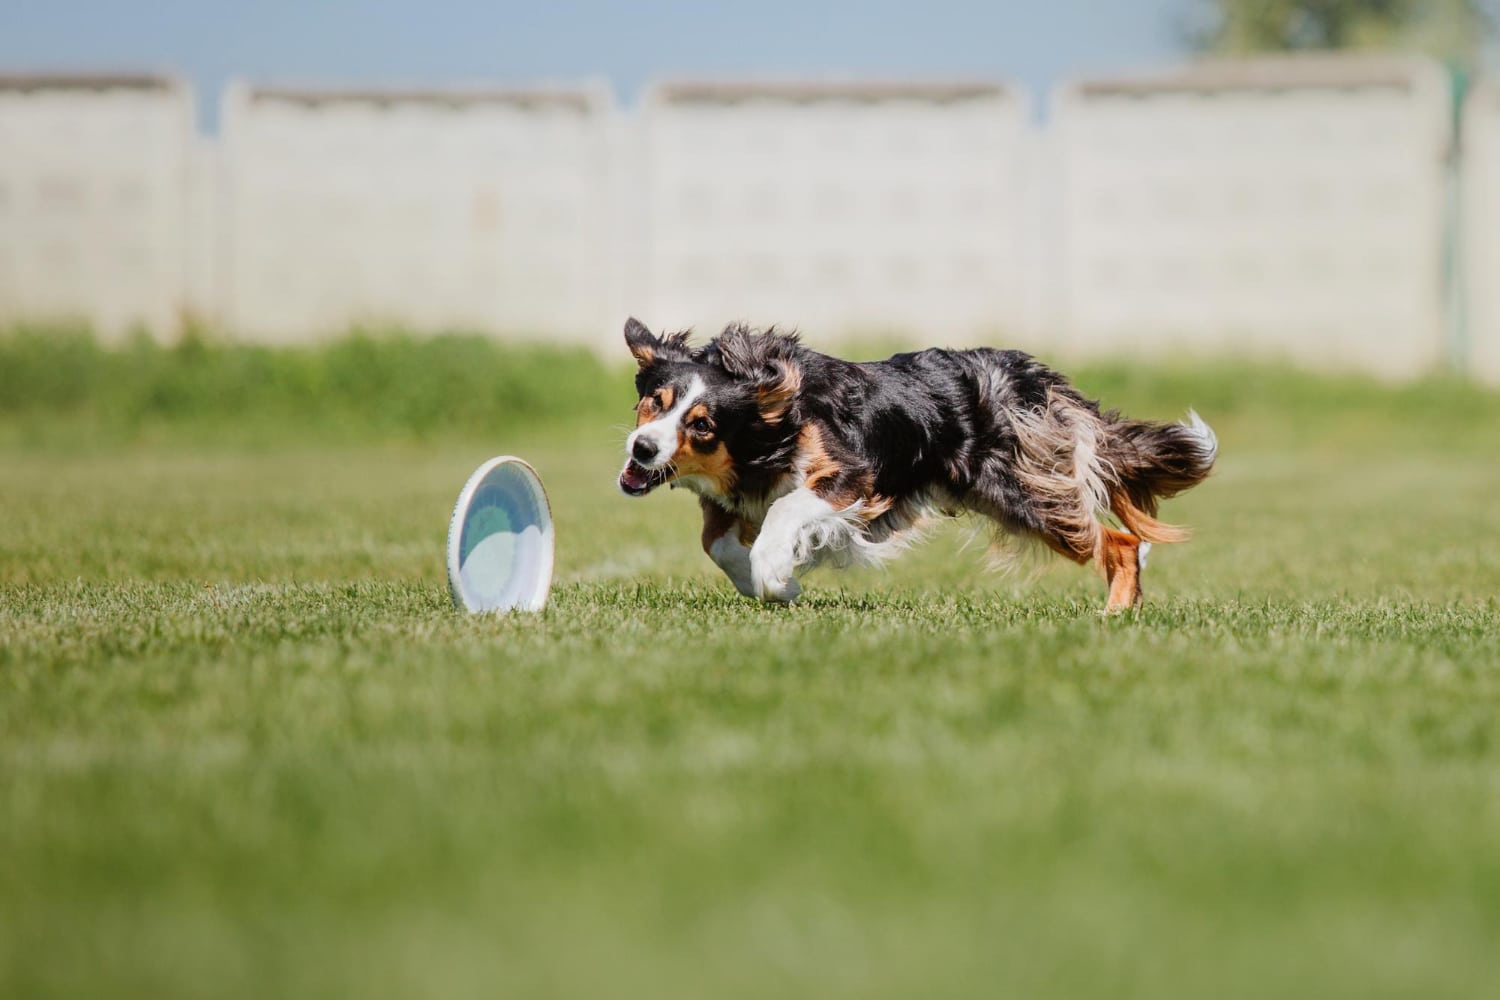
1121 557
1081 538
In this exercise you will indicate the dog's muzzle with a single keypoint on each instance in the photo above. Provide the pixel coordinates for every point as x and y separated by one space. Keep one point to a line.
637 480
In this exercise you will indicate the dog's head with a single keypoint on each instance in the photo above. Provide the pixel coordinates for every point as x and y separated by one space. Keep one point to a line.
706 416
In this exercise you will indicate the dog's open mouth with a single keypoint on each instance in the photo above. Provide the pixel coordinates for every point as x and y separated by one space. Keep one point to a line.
637 480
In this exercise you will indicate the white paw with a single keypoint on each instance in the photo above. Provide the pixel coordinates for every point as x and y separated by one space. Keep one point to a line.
773 580
779 591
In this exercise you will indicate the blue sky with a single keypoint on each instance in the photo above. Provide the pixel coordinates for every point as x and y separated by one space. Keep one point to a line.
409 41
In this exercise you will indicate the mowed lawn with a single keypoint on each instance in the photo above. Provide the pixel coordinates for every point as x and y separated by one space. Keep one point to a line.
248 750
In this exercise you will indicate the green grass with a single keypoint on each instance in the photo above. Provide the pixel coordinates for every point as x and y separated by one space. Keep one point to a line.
59 387
247 749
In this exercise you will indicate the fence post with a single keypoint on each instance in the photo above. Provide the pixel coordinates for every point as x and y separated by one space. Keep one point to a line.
1455 292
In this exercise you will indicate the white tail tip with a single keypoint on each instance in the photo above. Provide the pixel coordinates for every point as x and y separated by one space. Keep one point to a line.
1208 441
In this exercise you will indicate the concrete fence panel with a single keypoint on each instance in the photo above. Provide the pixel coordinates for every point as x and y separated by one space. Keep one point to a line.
482 210
843 209
1285 207
1481 231
93 200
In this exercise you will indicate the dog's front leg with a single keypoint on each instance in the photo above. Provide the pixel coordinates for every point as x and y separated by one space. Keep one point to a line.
786 544
724 540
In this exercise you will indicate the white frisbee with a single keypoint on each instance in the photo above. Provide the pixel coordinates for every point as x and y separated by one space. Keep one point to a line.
500 540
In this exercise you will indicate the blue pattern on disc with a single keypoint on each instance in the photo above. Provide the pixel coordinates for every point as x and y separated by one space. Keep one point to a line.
504 541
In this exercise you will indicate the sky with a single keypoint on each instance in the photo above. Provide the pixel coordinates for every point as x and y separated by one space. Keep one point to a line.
1034 43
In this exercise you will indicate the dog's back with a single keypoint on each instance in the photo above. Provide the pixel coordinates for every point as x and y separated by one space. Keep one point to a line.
1001 434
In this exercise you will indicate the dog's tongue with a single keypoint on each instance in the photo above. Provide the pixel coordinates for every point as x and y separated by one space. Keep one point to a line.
634 477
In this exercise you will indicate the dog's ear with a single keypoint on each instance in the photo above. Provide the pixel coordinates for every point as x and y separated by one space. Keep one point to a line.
779 389
643 344
648 348
767 360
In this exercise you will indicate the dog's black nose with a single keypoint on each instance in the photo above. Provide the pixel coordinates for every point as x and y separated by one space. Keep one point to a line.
643 450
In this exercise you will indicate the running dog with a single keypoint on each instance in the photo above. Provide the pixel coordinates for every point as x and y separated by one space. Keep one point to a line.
800 459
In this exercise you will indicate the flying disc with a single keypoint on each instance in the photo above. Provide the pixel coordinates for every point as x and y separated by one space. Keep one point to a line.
500 540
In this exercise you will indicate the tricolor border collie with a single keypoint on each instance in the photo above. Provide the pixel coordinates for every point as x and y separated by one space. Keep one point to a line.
800 459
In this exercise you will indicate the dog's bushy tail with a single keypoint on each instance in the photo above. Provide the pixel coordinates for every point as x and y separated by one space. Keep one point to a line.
1151 462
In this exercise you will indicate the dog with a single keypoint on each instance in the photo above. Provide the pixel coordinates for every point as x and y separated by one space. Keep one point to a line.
800 459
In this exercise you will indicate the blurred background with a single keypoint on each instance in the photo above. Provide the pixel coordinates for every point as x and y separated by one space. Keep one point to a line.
1313 181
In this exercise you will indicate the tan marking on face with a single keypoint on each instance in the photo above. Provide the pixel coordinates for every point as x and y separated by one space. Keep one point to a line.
668 396
697 411
646 411
716 466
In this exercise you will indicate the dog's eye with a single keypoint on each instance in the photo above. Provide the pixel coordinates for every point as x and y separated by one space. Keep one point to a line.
700 426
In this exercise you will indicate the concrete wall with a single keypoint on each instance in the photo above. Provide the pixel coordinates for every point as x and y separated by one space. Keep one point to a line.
473 210
1282 207
1481 229
837 208
1289 207
93 203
